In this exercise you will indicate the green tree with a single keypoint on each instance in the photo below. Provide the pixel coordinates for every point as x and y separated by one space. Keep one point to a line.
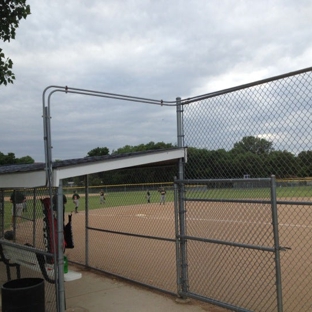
305 164
248 163
283 164
205 164
11 12
10 159
254 145
221 164
99 151
142 147
25 160
153 174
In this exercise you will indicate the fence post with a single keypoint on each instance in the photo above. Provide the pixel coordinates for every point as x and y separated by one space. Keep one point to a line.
59 250
182 256
86 180
176 219
2 225
34 216
276 246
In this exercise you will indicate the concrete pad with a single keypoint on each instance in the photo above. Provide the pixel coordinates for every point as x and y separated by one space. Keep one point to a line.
96 292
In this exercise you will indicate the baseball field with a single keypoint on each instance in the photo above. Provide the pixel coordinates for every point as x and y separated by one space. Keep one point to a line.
134 239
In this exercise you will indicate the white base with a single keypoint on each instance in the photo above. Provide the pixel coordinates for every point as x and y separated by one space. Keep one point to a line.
71 276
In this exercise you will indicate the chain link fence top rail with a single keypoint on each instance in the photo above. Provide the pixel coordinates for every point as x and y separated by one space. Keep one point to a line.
253 132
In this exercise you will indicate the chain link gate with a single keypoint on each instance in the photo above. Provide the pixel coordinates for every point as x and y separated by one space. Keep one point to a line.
219 267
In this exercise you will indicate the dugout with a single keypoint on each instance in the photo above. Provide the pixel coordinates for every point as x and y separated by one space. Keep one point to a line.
34 177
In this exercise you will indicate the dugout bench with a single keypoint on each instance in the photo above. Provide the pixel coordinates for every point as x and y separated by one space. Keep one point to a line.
24 255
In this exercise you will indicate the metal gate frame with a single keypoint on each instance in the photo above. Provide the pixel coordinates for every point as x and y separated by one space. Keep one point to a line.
46 108
184 289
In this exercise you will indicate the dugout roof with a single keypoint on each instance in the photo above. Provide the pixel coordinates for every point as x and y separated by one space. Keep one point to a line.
34 175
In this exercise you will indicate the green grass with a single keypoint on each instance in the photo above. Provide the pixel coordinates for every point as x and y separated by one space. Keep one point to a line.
253 193
296 191
115 199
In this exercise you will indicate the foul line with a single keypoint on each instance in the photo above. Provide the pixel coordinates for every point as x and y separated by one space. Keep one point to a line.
141 215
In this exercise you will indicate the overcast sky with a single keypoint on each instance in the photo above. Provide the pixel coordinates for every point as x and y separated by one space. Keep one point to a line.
156 49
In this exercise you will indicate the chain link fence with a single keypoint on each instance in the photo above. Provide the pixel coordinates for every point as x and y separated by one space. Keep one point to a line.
23 226
251 132
131 233
234 231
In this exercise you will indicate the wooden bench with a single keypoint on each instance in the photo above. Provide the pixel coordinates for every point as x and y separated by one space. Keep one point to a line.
27 256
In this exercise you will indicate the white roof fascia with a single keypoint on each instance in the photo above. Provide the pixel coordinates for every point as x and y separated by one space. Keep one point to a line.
113 164
37 178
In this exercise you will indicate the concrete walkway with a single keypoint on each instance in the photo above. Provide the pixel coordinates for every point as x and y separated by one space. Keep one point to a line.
96 292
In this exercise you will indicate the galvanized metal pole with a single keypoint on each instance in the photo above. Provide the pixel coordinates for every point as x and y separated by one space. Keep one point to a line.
176 219
180 134
58 252
1 211
87 220
182 222
276 246
34 216
45 137
60 243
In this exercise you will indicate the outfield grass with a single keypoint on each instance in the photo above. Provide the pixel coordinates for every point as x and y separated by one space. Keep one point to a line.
253 193
114 199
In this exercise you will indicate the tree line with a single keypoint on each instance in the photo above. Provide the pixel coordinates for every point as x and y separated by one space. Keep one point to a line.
131 175
253 156
10 159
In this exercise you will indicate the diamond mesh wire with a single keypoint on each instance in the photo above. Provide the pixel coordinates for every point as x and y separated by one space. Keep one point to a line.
251 132
245 279
28 229
130 235
241 222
